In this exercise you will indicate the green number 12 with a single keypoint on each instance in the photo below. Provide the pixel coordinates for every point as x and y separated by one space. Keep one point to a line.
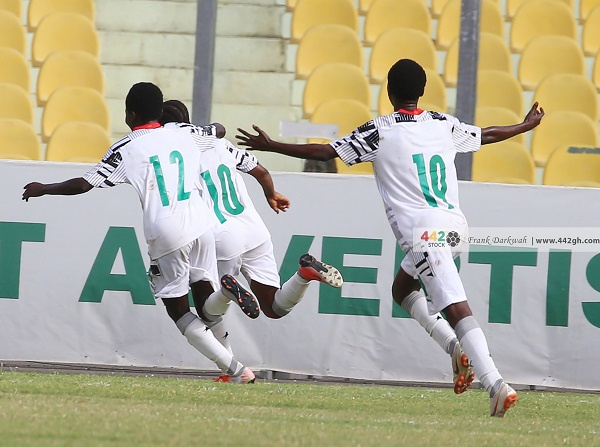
174 157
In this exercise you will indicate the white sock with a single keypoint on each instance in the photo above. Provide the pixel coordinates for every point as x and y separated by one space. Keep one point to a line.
221 334
435 325
474 344
204 341
215 305
290 294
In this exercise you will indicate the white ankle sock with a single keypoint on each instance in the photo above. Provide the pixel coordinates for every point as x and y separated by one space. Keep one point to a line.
435 325
290 294
205 342
473 342
216 305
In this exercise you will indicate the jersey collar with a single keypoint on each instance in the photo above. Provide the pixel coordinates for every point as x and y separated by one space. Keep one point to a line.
154 125
410 112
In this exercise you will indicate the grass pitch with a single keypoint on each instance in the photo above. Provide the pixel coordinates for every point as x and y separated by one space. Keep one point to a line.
41 409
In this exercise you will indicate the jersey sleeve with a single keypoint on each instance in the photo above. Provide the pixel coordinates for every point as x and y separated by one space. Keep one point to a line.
245 161
359 146
110 171
466 137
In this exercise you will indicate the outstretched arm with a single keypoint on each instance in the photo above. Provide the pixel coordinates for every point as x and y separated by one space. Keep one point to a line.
495 134
263 142
276 201
70 187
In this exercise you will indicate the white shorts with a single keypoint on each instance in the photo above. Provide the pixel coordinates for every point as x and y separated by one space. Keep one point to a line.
257 265
438 274
171 274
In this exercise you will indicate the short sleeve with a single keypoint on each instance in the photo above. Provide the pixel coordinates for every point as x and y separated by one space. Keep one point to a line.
466 137
110 171
245 161
359 146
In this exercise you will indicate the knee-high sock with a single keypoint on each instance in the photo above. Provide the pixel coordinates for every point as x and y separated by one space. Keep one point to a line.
205 342
215 305
290 294
435 325
220 332
474 344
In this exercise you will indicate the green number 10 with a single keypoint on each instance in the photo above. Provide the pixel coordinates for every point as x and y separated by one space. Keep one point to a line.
229 196
438 181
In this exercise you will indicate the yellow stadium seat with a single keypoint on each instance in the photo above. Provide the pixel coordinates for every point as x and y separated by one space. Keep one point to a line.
327 43
541 18
486 116
18 140
448 27
308 13
562 128
78 142
504 162
434 97
12 33
499 89
13 6
590 38
546 55
437 6
573 166
512 6
586 7
493 55
74 104
565 91
331 81
387 14
68 67
596 73
400 43
348 114
38 9
15 103
364 5
290 4
63 31
14 69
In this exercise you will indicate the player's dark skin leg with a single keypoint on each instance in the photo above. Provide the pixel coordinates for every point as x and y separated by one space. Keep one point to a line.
177 307
201 290
404 285
265 295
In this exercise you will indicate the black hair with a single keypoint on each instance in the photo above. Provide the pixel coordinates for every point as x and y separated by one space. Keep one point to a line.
174 111
145 100
406 80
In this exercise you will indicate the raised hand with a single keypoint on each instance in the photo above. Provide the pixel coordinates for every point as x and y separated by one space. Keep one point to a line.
257 142
534 116
279 202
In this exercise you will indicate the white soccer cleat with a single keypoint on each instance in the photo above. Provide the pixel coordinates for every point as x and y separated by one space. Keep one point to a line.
463 373
504 399
312 269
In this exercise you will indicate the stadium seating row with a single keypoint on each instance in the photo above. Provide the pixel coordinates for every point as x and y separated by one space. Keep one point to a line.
70 84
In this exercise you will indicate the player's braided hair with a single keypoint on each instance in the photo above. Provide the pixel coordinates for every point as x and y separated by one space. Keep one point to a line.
174 111
145 100
406 80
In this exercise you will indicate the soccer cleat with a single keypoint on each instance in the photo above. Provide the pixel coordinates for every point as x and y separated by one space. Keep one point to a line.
246 376
463 373
241 296
312 269
504 399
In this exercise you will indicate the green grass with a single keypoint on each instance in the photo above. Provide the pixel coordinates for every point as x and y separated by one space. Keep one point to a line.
107 410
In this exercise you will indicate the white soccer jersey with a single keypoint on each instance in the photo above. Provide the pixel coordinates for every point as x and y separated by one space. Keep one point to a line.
163 166
413 161
241 228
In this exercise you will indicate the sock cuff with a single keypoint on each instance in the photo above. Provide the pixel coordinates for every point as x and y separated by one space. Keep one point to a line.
235 368
184 322
465 325
409 300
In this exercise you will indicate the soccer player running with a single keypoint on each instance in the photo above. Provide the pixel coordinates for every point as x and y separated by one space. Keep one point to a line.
163 166
243 242
413 153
